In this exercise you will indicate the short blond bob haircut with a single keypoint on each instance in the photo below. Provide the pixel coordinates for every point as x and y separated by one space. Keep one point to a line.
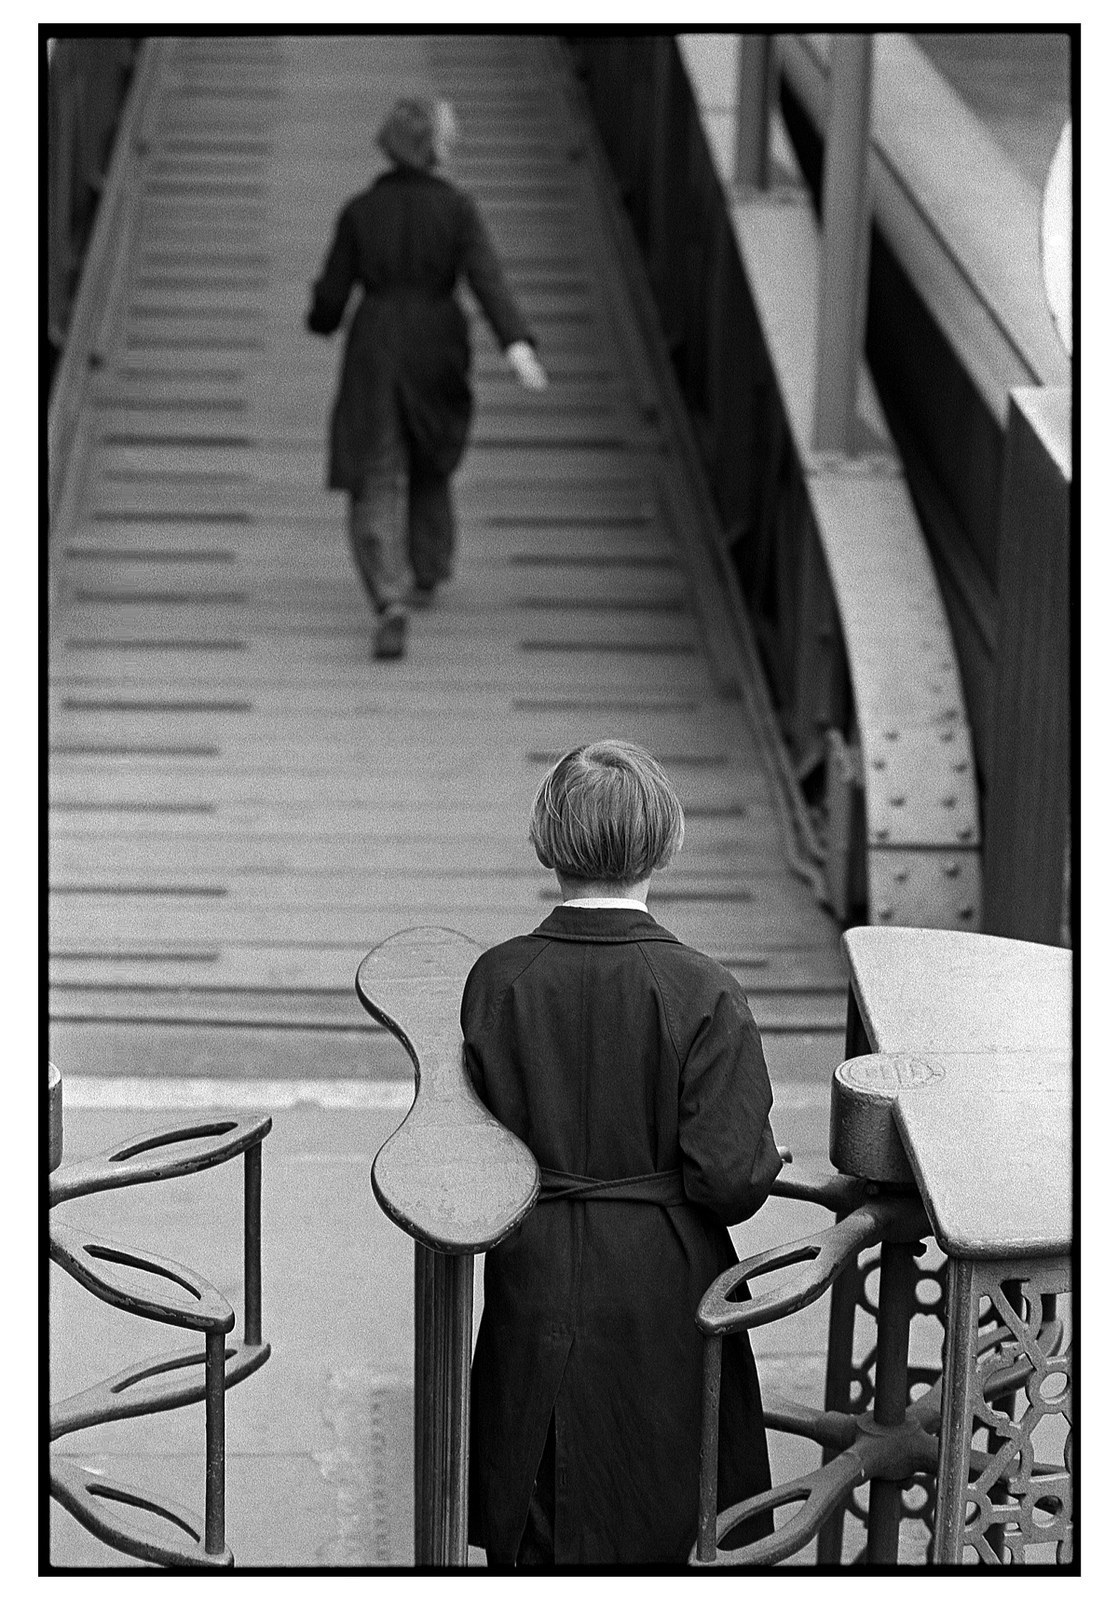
606 813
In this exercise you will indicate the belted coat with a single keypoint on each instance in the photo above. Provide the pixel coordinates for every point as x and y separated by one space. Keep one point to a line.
614 1051
406 241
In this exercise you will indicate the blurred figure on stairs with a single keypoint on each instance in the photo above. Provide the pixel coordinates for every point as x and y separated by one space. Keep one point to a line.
402 412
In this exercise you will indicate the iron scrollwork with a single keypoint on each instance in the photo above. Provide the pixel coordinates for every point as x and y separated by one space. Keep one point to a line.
171 1294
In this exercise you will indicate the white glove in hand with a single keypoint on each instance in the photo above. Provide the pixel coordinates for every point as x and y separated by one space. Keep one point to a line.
526 364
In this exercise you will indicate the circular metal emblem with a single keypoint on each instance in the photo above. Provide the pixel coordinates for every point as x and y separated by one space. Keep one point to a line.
864 1138
883 1077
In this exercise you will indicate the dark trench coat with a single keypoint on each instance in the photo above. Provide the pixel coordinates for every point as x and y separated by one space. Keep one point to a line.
614 1050
406 241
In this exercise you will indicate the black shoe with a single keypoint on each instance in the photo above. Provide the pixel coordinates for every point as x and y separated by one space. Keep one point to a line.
392 629
422 596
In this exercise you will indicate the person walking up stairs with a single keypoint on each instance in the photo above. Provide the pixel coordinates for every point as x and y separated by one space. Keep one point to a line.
403 407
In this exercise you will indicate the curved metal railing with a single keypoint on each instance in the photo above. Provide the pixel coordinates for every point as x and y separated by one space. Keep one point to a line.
150 1286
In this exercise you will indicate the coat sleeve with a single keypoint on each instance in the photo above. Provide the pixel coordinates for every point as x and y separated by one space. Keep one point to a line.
330 291
730 1160
487 280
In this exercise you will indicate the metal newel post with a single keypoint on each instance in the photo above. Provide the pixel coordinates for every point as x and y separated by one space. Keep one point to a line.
215 1443
54 1116
840 1365
444 1299
706 1548
460 1298
253 1167
956 1424
751 155
896 1297
423 1407
458 1182
845 256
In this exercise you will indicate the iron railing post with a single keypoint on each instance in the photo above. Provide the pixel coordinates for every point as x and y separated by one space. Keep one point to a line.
215 1443
458 1182
955 1437
444 1297
54 1116
707 1546
422 1411
253 1168
751 151
458 1287
836 1391
845 253
896 1298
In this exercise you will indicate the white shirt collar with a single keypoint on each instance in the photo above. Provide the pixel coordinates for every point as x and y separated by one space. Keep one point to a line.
604 904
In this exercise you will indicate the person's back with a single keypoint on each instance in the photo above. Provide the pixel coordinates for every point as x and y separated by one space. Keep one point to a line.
410 231
632 1068
402 411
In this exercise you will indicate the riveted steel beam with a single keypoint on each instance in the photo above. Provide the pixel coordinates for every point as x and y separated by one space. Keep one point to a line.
911 730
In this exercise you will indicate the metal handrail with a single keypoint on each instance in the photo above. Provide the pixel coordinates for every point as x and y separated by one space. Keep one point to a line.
103 271
458 1182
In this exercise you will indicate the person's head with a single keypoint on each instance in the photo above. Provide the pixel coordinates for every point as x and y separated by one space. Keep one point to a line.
606 814
418 133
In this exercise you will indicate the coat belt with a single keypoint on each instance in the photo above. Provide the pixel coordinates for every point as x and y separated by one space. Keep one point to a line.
409 291
654 1188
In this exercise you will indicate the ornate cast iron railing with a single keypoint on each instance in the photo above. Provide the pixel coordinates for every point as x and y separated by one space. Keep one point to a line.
172 1294
458 1182
926 1144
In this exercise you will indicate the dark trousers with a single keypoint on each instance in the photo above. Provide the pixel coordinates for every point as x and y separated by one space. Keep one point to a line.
430 528
403 516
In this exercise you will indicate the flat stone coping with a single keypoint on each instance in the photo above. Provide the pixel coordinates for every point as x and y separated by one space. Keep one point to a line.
989 1139
941 990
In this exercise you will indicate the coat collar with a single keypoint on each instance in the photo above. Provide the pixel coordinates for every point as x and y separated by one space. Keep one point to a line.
602 927
397 174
